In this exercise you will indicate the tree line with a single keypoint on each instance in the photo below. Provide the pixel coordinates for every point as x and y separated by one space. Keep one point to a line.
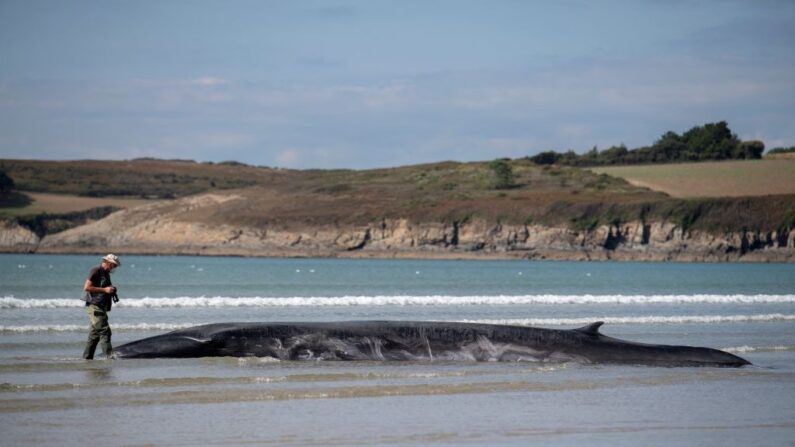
712 141
781 150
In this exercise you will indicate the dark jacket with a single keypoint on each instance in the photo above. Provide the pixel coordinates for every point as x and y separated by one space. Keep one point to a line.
99 278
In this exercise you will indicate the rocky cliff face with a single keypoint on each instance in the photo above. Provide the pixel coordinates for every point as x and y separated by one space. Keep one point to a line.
17 239
172 228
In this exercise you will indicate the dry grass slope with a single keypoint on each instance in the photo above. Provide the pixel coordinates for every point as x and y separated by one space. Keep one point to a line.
64 203
712 179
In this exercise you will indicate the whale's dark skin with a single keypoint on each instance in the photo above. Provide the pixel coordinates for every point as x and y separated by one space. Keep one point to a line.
416 340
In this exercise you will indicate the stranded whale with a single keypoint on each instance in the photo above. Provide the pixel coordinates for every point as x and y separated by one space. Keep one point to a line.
417 340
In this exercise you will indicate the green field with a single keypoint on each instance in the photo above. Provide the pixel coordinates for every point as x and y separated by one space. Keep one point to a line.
711 179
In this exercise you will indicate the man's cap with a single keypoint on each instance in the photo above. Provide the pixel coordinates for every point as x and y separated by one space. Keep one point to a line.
113 259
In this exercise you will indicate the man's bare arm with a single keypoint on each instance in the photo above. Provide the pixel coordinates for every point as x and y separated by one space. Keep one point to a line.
91 289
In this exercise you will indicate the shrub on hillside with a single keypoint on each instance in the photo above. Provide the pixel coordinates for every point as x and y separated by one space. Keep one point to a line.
503 173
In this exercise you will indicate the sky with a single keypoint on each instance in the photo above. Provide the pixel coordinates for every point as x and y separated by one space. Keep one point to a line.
365 84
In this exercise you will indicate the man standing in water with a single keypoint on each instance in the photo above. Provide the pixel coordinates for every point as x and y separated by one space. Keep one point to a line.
99 294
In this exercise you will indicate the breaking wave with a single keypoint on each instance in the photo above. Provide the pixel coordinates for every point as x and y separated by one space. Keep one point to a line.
84 327
541 322
746 349
652 319
430 300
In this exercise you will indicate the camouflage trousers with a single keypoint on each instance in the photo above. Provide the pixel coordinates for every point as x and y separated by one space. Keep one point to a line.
99 333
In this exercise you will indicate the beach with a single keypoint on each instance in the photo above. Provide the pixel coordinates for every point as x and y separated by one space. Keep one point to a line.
49 396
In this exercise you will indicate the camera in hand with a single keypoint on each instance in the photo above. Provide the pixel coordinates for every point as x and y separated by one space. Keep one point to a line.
114 296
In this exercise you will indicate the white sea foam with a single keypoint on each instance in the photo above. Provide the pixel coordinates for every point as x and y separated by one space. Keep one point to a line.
84 327
651 319
746 349
400 300
540 322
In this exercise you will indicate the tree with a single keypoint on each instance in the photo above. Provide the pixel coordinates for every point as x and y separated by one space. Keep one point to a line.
750 150
569 158
613 155
6 183
669 147
781 150
590 158
504 174
713 141
546 158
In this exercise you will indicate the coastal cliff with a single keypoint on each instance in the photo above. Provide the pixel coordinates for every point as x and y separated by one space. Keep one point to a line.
15 238
437 210
171 227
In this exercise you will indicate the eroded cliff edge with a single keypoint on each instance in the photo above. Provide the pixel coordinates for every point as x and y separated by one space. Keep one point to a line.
173 227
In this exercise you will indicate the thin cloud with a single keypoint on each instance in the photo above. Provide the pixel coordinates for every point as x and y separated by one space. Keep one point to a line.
337 12
209 81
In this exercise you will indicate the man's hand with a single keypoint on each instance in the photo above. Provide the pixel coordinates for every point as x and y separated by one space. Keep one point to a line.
109 290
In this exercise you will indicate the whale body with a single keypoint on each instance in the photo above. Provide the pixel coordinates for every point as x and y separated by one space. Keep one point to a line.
416 340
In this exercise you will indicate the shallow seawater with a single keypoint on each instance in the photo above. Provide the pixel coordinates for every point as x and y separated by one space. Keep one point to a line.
48 396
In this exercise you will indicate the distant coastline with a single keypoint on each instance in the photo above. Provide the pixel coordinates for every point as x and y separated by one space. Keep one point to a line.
505 209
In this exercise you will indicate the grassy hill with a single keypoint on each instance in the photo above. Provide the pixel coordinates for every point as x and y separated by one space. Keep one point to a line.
446 190
438 192
144 178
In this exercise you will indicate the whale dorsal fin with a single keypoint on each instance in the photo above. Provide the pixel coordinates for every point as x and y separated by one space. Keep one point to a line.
591 329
